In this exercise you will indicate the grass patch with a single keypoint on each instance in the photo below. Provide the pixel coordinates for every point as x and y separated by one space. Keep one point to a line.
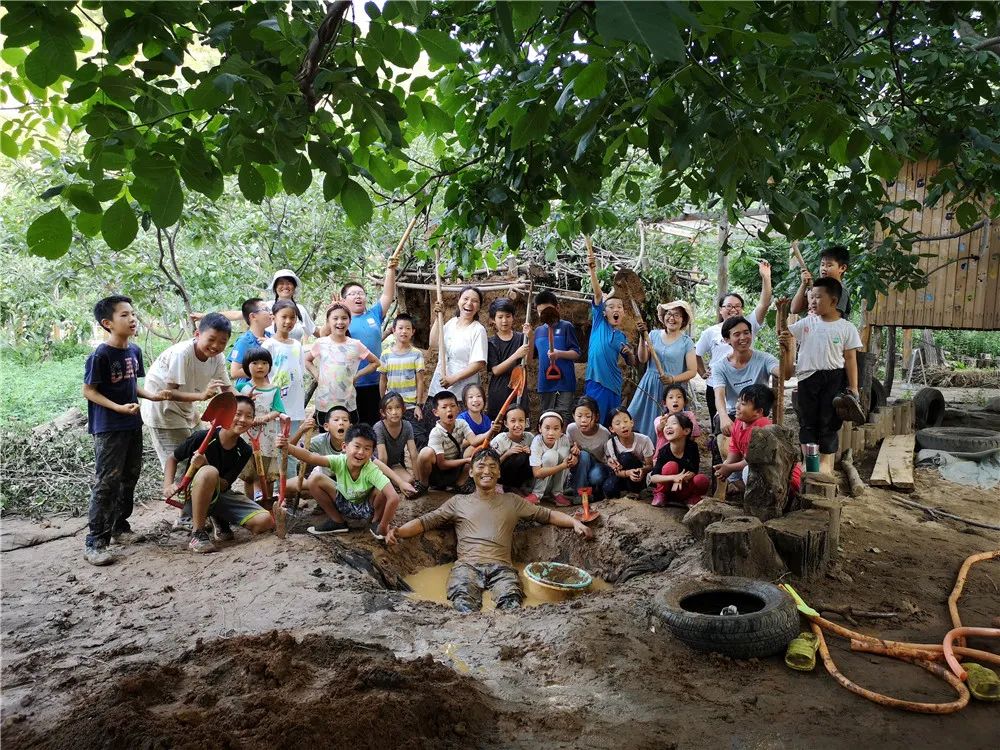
36 390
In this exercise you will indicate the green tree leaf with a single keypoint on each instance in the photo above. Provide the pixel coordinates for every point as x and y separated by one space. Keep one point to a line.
119 225
515 233
884 164
296 176
82 199
648 23
50 235
52 58
967 215
440 47
533 126
356 203
166 210
251 183
591 81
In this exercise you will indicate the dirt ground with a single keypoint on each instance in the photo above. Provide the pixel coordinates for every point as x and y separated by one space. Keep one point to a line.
306 642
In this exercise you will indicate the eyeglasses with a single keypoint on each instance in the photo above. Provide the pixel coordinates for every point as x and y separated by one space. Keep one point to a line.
674 315
355 293
262 311
732 307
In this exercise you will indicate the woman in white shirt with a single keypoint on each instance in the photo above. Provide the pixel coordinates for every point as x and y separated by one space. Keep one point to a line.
465 346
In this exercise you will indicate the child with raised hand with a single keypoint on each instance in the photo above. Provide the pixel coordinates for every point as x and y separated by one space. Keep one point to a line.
394 443
591 439
402 369
675 476
833 262
552 456
475 410
288 369
630 456
257 315
505 350
362 491
607 344
333 362
111 387
268 409
211 487
514 449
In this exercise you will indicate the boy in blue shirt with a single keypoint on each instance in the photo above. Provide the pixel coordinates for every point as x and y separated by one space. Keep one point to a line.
257 314
111 387
556 395
607 343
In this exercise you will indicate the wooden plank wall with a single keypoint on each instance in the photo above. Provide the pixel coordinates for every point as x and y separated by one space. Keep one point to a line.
963 290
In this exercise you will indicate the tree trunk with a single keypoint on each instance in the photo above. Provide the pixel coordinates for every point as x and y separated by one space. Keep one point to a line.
722 276
771 455
740 547
803 541
890 360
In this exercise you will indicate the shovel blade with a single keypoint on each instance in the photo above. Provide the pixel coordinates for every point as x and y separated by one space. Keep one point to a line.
627 283
517 378
221 409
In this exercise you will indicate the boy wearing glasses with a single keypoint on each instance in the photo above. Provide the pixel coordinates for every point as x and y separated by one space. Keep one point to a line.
257 314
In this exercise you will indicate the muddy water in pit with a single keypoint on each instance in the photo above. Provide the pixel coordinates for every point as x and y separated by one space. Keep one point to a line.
431 584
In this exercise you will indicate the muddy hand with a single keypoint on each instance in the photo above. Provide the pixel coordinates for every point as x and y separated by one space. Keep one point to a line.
582 529
390 538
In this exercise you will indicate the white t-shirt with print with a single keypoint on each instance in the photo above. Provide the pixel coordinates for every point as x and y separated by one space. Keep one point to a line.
463 345
179 364
288 373
822 344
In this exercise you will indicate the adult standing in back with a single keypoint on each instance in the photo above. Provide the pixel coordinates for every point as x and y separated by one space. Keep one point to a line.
711 341
366 327
465 346
675 350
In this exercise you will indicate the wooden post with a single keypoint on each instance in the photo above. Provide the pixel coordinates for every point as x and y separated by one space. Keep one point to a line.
740 547
907 348
782 307
802 540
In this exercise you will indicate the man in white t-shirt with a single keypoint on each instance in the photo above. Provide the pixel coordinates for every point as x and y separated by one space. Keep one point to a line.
827 370
711 341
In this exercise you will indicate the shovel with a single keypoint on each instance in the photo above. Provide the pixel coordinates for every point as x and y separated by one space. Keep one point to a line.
293 502
550 317
517 379
220 412
628 286
278 508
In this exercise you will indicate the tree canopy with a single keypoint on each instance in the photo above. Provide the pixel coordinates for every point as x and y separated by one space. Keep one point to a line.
531 108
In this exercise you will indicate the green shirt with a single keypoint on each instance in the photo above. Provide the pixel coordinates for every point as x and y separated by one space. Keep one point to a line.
357 490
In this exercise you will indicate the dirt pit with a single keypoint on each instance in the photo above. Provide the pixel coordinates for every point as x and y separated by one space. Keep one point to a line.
275 691
431 585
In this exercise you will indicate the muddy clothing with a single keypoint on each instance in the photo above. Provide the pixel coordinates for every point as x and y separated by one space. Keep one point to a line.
115 374
484 527
467 582
118 463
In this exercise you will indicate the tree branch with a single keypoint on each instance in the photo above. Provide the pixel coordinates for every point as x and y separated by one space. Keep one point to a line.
326 36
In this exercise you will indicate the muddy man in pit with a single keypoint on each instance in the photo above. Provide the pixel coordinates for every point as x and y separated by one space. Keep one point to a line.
484 524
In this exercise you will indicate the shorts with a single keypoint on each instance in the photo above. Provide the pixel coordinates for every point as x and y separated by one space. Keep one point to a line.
362 511
167 439
233 507
271 465
444 478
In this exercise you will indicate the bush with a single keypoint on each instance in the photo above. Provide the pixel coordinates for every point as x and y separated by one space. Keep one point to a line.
968 343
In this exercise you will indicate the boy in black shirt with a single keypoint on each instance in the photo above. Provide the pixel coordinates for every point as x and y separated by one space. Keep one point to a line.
111 387
211 487
505 351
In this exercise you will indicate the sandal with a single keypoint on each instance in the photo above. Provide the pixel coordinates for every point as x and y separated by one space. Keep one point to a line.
801 653
983 681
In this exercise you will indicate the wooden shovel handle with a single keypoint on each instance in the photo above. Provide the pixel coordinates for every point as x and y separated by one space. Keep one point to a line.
649 343
402 240
442 355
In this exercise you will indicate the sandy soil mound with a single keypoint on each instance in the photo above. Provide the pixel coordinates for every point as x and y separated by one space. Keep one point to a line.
274 691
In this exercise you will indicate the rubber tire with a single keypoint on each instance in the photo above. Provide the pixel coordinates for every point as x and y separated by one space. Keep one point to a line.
749 636
928 408
959 439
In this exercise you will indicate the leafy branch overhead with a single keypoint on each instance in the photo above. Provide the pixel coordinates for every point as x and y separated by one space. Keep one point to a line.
803 108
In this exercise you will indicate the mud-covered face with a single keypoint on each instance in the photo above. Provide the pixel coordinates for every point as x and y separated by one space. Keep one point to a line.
585 419
211 342
359 452
474 401
446 411
337 424
614 311
355 298
740 338
243 419
485 472
468 305
123 321
674 401
515 422
621 425
284 288
393 412
731 306
551 430
403 332
833 269
285 320
504 321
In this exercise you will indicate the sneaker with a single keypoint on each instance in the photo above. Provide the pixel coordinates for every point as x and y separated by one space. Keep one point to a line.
467 487
183 523
223 531
374 529
561 500
98 555
848 408
200 542
123 537
329 526
531 498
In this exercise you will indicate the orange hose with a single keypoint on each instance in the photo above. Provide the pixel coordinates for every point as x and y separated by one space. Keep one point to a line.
956 592
957 633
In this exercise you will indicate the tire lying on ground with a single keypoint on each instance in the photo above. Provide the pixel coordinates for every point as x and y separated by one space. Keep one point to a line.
766 623
959 440
928 408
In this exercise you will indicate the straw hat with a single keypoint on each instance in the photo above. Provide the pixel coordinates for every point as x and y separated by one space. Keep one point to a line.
661 310
285 273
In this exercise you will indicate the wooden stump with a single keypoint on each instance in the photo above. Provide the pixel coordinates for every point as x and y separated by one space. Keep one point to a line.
771 455
706 513
833 509
817 483
740 546
802 540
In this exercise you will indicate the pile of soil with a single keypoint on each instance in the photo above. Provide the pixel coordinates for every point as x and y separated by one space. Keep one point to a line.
271 691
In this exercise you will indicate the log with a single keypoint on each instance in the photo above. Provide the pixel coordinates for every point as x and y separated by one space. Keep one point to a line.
833 509
802 540
705 513
771 455
741 546
857 487
819 484
894 465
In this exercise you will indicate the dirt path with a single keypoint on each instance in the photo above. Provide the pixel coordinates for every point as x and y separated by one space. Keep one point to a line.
167 647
